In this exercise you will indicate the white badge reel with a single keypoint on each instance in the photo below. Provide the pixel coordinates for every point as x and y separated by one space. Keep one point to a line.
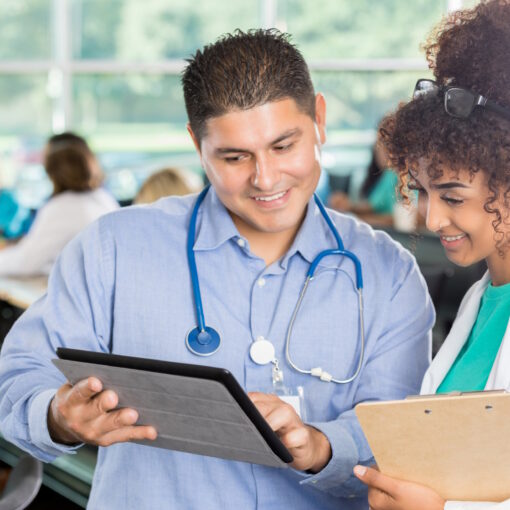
262 352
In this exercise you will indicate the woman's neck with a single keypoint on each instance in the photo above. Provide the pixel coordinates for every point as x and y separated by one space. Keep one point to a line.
499 268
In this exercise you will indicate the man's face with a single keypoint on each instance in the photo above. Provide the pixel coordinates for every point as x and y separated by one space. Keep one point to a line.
264 163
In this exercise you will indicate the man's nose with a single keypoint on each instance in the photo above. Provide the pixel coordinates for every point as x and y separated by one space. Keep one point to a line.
266 173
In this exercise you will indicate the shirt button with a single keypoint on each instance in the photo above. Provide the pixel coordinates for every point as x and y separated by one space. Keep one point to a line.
261 282
241 242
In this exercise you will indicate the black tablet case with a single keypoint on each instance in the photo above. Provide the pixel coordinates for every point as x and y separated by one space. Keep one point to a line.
194 408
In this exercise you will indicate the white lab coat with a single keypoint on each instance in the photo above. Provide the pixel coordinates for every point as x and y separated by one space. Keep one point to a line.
499 377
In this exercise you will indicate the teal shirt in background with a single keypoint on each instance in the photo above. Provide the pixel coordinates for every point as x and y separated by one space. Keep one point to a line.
383 196
474 362
15 220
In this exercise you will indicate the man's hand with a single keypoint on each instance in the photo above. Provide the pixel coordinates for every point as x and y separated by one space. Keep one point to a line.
84 413
386 493
309 447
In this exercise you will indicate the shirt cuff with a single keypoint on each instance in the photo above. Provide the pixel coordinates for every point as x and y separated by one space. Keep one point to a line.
344 456
38 426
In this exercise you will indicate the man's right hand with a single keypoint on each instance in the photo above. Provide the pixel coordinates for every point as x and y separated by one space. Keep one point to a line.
85 413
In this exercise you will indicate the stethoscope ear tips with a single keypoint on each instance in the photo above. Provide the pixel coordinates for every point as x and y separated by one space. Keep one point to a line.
203 343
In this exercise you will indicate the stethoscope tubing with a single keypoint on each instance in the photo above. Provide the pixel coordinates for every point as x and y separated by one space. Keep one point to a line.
203 329
192 262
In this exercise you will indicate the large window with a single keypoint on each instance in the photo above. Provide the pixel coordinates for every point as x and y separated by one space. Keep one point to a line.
111 69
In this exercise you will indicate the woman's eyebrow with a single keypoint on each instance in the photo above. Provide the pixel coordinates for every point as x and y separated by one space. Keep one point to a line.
449 185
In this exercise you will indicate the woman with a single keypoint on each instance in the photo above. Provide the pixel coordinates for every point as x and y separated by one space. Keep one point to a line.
456 154
77 200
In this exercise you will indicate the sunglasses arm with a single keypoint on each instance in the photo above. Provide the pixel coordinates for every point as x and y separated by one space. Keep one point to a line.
491 105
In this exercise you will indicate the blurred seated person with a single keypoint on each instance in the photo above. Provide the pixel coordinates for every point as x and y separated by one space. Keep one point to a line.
378 192
77 200
165 183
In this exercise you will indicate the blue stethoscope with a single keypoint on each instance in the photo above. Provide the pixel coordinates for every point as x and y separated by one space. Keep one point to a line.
205 341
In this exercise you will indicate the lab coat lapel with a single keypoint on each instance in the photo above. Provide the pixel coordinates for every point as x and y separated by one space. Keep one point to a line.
457 337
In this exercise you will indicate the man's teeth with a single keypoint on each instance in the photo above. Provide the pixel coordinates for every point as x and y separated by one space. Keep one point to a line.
453 238
272 197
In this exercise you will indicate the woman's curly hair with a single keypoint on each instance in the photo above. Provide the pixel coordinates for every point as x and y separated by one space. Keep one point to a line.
470 49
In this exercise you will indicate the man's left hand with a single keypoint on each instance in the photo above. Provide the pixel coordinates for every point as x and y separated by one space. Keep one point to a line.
309 447
386 493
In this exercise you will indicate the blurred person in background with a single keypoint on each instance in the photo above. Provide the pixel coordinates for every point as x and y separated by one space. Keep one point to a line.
165 183
378 192
77 200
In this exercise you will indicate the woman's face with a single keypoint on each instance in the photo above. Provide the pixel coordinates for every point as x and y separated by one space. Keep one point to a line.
453 207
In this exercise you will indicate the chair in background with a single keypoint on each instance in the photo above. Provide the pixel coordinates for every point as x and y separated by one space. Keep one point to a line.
23 484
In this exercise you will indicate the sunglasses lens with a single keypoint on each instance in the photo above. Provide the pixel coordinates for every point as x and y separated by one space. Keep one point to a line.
459 102
424 87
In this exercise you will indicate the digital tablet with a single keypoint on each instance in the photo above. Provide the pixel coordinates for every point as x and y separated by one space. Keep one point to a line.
196 409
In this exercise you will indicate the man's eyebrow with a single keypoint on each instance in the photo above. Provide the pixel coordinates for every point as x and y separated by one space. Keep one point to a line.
287 134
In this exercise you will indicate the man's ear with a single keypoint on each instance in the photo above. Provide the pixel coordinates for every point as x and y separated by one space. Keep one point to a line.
196 142
320 116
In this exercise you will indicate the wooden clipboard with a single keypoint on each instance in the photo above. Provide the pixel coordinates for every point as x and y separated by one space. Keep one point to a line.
457 444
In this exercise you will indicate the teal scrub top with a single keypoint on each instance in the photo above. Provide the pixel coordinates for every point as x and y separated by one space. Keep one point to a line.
383 196
474 362
15 220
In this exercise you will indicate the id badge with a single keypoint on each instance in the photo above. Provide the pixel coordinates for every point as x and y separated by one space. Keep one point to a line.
295 398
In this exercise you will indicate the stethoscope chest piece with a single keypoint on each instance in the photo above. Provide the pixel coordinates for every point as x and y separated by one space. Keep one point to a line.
262 351
203 342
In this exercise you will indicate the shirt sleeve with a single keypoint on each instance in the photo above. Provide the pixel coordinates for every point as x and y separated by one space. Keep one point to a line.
477 505
74 312
394 365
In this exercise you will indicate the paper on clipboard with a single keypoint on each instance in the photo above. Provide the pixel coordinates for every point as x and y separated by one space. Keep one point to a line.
459 445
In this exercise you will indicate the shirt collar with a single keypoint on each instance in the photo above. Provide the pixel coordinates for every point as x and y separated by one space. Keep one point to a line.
215 227
214 224
313 237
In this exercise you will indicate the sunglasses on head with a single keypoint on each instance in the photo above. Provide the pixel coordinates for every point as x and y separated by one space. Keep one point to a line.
458 101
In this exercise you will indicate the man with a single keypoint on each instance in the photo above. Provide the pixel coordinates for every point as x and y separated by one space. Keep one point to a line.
123 286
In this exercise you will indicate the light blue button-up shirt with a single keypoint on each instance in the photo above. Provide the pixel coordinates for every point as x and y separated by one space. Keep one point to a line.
123 286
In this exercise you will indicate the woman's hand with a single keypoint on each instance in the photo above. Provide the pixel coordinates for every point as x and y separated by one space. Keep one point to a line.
386 493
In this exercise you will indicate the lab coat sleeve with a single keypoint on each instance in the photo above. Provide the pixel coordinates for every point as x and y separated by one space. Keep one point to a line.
75 312
398 351
477 505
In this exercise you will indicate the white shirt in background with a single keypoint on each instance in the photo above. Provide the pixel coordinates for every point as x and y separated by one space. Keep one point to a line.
55 225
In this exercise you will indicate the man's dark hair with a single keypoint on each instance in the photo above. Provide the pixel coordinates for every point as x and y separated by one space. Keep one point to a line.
243 70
